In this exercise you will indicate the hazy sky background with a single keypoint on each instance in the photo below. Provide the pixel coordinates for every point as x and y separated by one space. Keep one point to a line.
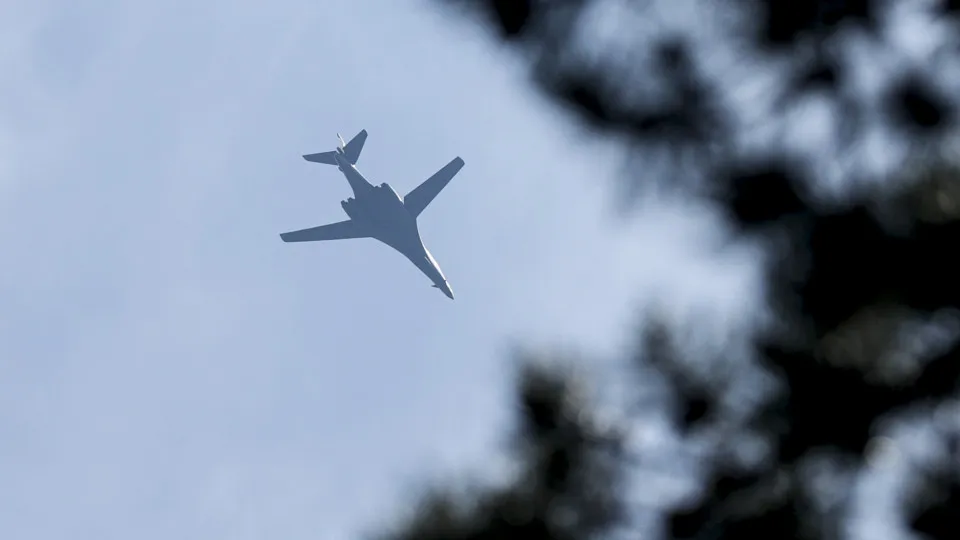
170 369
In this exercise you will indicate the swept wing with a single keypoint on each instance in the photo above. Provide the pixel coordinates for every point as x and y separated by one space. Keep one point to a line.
421 196
342 230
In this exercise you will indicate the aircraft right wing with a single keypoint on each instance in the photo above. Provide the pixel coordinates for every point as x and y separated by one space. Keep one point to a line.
421 196
342 230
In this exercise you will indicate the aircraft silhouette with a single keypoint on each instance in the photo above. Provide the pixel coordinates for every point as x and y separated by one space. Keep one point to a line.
378 212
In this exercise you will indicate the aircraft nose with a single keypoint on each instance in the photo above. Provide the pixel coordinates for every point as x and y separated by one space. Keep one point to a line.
447 290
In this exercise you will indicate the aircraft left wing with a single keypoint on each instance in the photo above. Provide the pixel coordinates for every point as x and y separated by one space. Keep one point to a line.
421 196
342 230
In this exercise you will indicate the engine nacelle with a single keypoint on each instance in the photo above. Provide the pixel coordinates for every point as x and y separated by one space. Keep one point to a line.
348 206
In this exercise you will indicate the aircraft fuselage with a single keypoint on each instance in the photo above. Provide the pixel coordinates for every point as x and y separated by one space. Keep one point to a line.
380 212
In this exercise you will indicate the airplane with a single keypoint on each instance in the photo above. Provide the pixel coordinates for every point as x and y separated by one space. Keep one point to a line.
378 212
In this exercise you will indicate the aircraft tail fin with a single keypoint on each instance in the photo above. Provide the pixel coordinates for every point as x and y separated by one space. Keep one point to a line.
350 150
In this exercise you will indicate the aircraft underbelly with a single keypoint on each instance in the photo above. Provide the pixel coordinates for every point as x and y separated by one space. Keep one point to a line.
391 224
387 220
404 242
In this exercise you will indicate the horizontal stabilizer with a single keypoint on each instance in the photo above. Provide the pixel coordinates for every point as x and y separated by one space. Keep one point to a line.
322 157
421 196
342 230
351 150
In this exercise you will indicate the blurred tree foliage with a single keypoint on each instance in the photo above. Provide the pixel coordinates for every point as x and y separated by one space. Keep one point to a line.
828 130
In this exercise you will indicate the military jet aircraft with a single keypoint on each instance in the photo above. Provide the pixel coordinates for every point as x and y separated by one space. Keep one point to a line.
378 212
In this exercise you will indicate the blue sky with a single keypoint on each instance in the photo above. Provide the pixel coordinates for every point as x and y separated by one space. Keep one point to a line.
169 368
